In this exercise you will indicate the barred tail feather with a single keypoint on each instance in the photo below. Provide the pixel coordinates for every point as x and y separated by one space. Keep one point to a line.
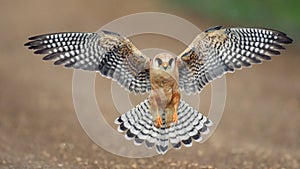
138 126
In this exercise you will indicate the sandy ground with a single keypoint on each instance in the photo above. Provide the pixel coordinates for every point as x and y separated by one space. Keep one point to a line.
38 124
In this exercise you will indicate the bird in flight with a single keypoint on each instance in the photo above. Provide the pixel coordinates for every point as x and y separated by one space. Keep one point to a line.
163 118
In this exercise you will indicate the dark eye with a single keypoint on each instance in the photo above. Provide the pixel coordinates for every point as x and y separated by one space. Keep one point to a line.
159 61
171 61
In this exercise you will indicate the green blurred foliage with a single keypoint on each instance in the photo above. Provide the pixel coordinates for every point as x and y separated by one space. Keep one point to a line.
283 15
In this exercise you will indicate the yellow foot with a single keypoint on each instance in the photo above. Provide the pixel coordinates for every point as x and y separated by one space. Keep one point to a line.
175 117
158 122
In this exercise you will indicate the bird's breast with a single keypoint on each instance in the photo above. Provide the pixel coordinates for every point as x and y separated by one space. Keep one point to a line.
162 79
163 85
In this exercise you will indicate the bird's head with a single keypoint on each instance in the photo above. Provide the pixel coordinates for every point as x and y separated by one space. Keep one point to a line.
164 61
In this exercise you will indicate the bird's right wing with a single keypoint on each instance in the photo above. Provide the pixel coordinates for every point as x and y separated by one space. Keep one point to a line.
217 51
113 55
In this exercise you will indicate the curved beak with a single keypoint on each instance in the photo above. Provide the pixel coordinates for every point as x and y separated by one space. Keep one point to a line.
165 65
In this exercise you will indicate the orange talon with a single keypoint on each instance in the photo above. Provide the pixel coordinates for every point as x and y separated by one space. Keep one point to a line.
175 117
158 122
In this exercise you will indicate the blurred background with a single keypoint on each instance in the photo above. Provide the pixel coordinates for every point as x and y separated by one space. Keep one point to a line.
38 124
277 14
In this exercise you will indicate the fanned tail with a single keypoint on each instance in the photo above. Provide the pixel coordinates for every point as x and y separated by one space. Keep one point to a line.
139 126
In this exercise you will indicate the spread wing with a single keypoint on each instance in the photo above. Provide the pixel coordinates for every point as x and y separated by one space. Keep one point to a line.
113 55
218 51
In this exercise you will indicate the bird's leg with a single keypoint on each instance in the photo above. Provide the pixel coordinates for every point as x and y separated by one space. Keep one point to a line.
175 101
158 120
175 115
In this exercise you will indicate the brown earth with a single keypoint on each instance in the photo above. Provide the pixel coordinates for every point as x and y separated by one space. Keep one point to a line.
38 124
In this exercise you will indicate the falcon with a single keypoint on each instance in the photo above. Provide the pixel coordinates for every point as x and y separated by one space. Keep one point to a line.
163 118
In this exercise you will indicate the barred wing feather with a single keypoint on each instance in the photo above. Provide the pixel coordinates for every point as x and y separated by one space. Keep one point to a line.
113 55
218 51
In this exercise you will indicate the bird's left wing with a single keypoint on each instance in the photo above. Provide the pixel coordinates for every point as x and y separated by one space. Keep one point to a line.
113 55
217 51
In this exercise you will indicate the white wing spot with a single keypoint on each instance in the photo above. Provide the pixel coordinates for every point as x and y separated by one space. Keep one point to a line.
267 46
261 51
248 53
67 54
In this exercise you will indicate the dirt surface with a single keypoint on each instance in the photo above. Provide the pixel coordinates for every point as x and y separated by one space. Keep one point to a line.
38 124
